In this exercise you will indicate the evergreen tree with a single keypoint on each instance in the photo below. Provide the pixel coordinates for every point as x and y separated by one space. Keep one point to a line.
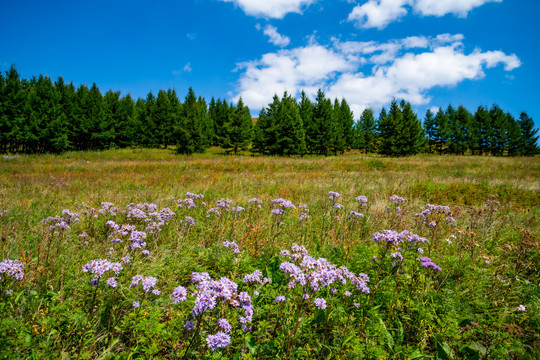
411 137
338 142
288 127
482 121
127 128
207 123
190 137
12 116
389 127
440 131
238 130
305 108
528 132
463 122
324 130
453 130
367 131
106 131
514 143
164 120
430 129
499 126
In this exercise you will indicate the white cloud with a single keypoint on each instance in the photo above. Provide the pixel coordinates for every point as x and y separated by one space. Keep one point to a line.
379 13
187 67
275 37
442 7
368 74
271 8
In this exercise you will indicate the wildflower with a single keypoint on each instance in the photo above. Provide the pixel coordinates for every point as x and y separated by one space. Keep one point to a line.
136 304
13 268
333 195
361 199
277 211
145 252
280 298
188 220
189 325
397 199
338 206
432 224
179 294
219 340
431 265
347 293
356 305
521 308
451 221
112 282
420 250
126 259
255 201
320 303
224 325
9 292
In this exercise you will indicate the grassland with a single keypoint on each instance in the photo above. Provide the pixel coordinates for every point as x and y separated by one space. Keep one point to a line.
469 309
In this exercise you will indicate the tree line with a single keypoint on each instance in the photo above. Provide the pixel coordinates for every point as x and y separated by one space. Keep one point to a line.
38 115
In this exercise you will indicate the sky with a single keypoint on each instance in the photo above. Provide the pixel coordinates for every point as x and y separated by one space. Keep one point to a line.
429 52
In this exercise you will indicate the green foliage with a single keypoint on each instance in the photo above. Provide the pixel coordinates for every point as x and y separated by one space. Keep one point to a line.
238 129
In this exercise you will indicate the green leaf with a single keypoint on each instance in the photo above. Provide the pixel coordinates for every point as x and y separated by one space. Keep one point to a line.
443 351
399 332
251 344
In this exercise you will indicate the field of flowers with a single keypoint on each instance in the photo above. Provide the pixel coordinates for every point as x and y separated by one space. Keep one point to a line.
145 254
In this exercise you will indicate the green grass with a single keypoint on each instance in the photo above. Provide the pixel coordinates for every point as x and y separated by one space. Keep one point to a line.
467 310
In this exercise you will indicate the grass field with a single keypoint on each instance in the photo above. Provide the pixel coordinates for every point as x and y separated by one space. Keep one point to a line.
483 303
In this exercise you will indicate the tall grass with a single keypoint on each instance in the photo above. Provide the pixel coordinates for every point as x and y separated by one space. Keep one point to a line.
483 303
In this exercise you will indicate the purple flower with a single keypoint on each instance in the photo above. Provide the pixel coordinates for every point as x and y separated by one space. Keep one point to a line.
320 303
430 265
112 282
13 268
333 195
224 325
9 292
280 298
189 325
361 199
179 294
136 304
156 292
145 252
219 340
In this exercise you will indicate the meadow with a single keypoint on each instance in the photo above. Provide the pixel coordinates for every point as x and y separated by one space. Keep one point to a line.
143 253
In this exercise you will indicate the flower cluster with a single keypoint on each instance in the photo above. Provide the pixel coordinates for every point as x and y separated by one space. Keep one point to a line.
428 264
256 202
396 238
61 223
313 274
13 268
232 245
362 200
147 282
219 340
397 200
333 195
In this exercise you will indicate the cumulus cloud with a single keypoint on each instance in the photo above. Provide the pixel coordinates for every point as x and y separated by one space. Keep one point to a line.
275 37
379 13
368 74
276 9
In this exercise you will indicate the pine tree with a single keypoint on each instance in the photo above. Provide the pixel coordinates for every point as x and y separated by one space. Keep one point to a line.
107 129
430 129
347 123
514 143
238 130
389 127
440 133
306 114
189 132
463 123
528 132
127 128
13 103
499 126
411 138
367 131
482 120
163 117
288 127
338 142
324 129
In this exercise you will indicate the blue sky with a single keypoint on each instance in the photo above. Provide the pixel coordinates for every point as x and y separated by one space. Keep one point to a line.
429 52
